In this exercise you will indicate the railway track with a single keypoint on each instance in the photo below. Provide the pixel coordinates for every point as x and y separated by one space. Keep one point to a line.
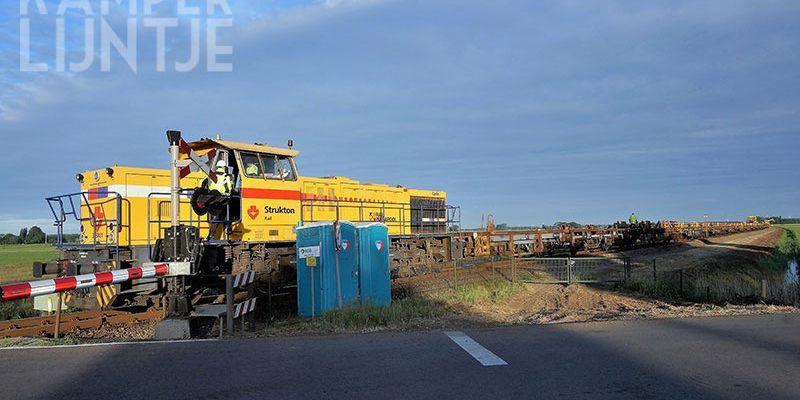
45 326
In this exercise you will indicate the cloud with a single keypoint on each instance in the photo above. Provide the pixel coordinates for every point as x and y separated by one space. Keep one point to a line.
535 111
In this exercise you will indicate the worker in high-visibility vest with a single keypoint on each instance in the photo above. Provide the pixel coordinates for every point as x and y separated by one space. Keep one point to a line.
218 199
224 184
252 170
632 219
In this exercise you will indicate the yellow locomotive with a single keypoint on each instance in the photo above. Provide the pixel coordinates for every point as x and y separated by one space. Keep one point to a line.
125 212
271 202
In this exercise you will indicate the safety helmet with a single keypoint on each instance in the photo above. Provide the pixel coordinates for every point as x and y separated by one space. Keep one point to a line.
221 165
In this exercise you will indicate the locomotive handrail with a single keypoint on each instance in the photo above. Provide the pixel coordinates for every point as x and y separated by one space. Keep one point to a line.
61 217
451 215
191 221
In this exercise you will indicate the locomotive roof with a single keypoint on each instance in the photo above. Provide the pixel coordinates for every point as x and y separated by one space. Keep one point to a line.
206 143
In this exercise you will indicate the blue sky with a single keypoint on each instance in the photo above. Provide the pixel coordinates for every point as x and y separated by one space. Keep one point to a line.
533 111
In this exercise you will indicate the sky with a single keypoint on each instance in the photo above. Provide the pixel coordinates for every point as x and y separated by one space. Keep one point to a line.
532 111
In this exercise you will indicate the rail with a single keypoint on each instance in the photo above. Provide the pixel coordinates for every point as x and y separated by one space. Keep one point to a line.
52 324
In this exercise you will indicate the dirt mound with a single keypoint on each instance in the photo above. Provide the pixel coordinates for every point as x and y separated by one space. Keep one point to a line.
543 304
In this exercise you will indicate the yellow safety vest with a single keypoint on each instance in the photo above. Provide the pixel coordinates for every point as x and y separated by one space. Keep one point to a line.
222 185
251 169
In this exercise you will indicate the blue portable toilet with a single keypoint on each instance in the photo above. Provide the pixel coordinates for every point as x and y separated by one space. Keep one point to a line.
373 264
327 267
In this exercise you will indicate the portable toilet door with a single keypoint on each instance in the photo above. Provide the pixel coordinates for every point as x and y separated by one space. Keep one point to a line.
373 264
343 271
309 277
327 273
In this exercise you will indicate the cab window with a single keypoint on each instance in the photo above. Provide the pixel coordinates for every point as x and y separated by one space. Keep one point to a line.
278 167
268 166
283 166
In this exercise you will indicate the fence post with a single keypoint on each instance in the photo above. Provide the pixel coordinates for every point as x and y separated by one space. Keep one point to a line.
513 258
493 273
229 298
654 272
764 289
681 282
569 270
627 268
708 294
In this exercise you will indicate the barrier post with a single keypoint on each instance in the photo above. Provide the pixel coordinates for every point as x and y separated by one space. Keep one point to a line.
251 293
229 298
57 326
455 276
269 299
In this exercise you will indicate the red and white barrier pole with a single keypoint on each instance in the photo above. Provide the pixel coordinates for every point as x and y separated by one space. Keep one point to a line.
24 290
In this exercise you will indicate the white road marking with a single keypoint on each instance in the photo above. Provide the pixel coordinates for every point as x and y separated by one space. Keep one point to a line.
480 353
67 346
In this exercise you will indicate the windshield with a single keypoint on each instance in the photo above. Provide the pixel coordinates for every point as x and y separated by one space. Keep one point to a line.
268 166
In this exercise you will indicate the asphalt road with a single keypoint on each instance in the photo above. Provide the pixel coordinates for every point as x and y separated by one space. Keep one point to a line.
755 357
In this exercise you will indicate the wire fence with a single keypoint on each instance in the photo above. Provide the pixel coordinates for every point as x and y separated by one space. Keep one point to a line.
690 284
564 270
720 286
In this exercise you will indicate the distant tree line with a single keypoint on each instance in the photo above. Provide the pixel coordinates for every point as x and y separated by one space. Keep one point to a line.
781 220
35 235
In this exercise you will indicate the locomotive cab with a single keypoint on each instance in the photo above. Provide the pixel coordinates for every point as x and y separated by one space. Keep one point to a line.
265 200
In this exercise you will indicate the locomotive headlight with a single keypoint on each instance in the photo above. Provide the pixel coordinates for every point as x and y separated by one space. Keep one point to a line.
110 171
79 178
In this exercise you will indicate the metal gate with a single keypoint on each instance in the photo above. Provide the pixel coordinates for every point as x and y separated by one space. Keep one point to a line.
572 269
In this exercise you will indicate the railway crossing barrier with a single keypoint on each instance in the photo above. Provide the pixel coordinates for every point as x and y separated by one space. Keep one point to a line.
24 290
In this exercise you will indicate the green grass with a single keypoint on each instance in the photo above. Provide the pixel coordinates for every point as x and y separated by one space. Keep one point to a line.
16 260
790 243
429 309
27 342
788 248
401 314
479 292
17 310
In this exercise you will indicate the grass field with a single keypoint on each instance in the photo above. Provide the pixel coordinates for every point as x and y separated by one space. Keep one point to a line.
795 228
16 260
